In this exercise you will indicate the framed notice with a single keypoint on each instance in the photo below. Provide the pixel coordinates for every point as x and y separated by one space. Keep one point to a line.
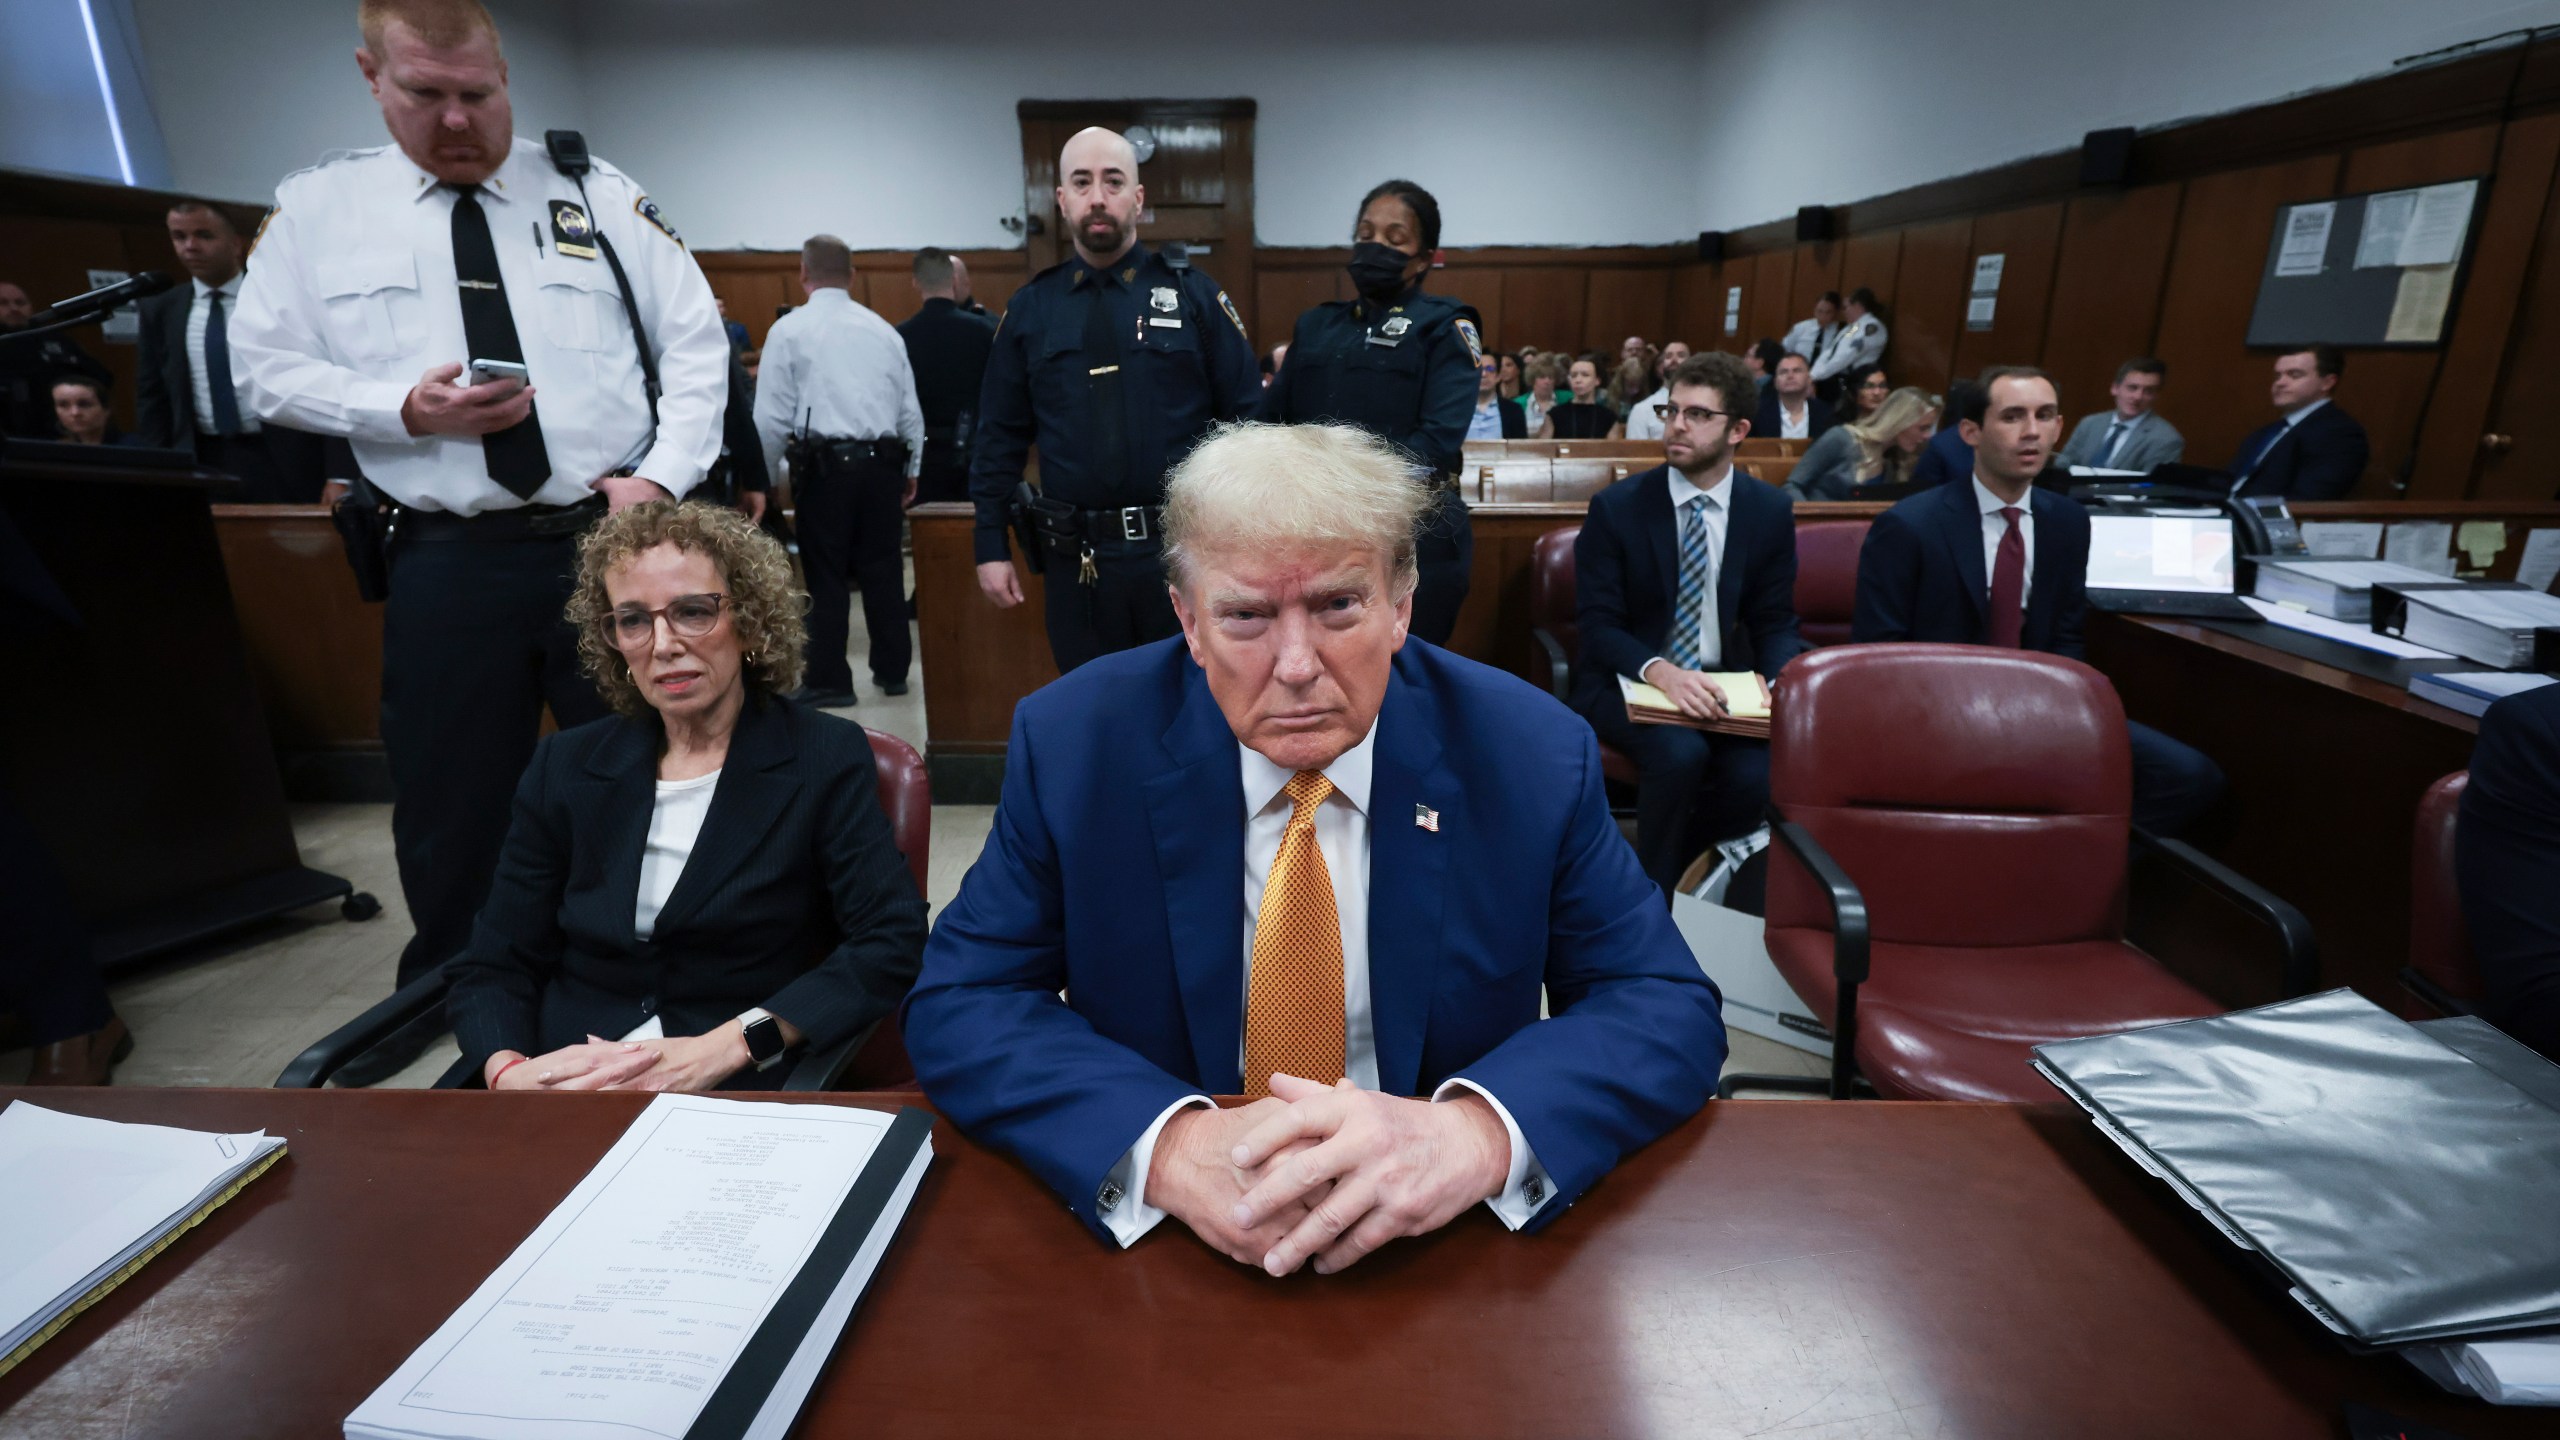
2372 270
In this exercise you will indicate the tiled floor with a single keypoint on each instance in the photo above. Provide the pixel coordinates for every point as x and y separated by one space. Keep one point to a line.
236 1013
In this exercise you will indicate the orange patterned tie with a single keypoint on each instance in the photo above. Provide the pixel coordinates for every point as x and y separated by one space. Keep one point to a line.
1293 1008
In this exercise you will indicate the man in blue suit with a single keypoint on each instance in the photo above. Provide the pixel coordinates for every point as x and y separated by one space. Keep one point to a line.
1685 569
1294 855
2315 451
1994 561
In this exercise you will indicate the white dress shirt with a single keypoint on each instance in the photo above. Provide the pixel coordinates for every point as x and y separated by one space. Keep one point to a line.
199 316
835 366
1995 525
1797 425
351 297
1486 422
1642 423
1716 517
1858 343
1342 837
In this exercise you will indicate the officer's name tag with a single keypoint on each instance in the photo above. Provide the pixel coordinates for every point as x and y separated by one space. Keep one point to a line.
1378 339
1162 323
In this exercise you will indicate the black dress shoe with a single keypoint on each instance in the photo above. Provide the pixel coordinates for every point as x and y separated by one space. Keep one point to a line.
393 1053
824 699
893 687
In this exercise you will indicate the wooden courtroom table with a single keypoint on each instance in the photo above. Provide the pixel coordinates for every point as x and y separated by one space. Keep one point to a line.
1853 1269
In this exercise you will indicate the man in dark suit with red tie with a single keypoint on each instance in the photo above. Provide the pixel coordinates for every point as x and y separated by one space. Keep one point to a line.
1995 561
2316 451
1687 568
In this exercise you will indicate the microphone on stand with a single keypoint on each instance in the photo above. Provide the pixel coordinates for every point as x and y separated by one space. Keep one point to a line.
102 300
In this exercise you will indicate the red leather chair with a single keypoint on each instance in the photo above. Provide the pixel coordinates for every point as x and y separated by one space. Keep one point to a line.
1554 624
1827 578
1949 877
2440 971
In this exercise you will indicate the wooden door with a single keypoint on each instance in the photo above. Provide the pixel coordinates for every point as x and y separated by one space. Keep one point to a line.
1199 183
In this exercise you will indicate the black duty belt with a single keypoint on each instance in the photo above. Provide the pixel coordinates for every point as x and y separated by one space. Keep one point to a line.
1127 525
842 451
524 522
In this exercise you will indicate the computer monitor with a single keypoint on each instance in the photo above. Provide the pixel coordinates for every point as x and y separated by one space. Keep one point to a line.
2161 552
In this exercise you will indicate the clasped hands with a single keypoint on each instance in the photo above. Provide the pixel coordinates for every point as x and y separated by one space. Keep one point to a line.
1325 1174
683 1063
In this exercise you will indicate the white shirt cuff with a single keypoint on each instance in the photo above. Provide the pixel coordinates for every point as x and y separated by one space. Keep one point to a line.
373 412
1122 1201
1527 1187
666 464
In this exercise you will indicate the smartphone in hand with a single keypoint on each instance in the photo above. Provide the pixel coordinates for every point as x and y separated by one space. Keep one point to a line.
484 371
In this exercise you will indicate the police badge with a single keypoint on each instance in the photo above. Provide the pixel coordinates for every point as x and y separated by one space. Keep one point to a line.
572 233
1396 326
1164 299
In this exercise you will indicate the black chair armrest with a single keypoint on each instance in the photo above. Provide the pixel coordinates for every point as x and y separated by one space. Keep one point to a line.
312 1068
1559 670
2301 952
2437 998
1848 944
825 1069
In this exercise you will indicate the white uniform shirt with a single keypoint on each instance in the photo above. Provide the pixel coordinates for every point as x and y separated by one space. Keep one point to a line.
200 316
836 366
1809 338
1996 525
1642 422
1858 343
351 296
1342 837
1718 494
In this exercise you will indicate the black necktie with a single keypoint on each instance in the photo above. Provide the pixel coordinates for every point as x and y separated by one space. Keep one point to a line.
217 370
516 457
1102 372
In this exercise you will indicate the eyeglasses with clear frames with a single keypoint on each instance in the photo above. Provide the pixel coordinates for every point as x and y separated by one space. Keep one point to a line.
690 617
1691 415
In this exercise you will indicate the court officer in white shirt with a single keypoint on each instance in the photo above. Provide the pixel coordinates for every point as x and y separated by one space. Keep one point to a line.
380 274
1860 341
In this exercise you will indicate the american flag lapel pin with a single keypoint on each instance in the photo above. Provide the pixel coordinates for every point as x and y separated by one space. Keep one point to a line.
1427 818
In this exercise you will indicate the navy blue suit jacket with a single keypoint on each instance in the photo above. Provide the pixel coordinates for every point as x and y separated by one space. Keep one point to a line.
1768 421
1627 582
1944 459
1115 872
2319 459
2507 860
1921 574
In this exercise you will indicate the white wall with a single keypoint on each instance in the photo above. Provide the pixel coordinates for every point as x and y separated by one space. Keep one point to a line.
249 91
1915 93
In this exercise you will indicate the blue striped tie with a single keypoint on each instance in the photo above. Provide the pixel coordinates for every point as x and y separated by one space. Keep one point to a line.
1697 582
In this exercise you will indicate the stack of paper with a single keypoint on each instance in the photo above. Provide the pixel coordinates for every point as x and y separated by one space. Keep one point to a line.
692 1284
2339 589
1747 702
2502 1372
85 1203
2494 625
2473 691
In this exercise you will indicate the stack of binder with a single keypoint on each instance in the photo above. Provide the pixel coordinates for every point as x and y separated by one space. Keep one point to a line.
2339 589
2497 623
2397 1178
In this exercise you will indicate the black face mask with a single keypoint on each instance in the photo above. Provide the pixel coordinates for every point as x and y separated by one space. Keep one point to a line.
1377 270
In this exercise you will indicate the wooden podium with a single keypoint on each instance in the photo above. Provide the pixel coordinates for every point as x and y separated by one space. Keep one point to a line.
135 743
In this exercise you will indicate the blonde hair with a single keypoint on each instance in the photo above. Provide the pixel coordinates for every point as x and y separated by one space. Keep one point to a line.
440 24
765 607
1254 487
1900 411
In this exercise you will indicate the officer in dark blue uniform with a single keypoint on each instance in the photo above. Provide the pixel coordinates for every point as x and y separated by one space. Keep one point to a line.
1114 363
1400 364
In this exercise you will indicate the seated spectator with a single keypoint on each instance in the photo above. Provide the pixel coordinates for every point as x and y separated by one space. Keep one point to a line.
2316 451
1583 417
1298 856
1494 418
1668 359
1632 383
1996 561
1543 374
1946 457
28 368
1879 450
80 413
1789 410
1727 604
1811 337
1508 385
2507 863
1631 348
1643 420
708 874
1763 358
1861 391
2132 436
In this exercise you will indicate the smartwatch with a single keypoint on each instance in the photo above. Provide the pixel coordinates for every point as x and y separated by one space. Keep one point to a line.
764 1037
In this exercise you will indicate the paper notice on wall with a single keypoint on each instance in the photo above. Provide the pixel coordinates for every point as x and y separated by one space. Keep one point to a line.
2420 545
1733 310
2439 220
2540 563
2306 238
1986 273
2386 225
2343 539
1978 311
2418 311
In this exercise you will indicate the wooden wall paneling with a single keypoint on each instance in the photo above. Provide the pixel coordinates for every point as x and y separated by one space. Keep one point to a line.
1817 269
1871 260
1282 294
2214 264
2451 459
892 293
2113 260
1543 306
1627 302
2521 407
2030 239
1477 286
995 275
1697 306
1927 313
1766 307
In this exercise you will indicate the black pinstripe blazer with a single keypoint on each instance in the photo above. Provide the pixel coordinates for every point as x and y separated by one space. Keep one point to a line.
794 898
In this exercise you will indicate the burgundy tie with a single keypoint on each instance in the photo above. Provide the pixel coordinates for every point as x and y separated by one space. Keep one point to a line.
2009 584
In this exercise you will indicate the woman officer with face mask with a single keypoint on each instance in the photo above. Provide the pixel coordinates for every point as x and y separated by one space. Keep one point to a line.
1400 364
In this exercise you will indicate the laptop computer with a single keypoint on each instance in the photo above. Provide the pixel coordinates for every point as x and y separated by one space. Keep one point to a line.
2180 565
